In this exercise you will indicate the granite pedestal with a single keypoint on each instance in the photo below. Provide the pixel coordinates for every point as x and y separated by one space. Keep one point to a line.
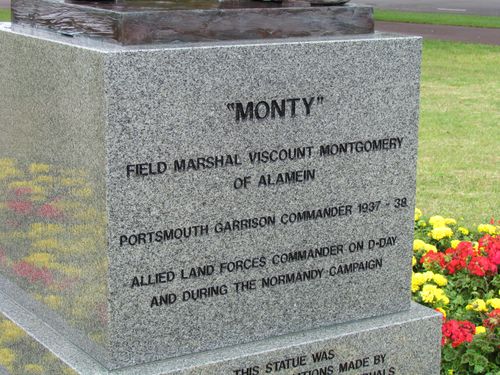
215 206
402 343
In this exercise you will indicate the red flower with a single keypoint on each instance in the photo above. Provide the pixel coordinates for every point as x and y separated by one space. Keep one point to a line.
20 207
493 319
494 256
50 212
483 241
481 262
481 266
33 274
464 249
491 246
457 332
457 260
432 258
22 191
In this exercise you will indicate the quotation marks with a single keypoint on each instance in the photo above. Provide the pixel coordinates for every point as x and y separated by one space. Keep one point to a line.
275 108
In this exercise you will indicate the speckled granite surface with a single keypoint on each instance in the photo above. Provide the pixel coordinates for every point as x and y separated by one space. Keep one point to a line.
406 343
238 191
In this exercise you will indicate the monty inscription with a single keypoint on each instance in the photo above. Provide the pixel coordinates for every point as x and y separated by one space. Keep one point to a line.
275 108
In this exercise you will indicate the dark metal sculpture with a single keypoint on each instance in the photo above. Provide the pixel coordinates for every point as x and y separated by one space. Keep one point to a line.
133 22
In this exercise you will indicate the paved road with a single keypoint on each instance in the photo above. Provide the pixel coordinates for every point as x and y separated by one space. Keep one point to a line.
482 7
463 34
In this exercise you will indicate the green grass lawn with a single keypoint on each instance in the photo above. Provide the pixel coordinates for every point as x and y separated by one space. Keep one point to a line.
4 15
459 151
437 18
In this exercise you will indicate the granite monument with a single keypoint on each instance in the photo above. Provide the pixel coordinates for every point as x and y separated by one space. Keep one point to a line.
226 188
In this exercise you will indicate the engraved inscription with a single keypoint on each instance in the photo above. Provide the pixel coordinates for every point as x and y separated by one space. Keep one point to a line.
324 362
275 108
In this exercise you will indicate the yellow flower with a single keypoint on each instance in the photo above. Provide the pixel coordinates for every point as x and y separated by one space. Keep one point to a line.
70 270
38 190
437 221
416 282
429 275
440 279
82 193
414 287
41 229
494 302
480 329
9 332
37 297
43 179
69 371
417 279
7 357
487 228
463 230
49 243
34 369
22 184
98 337
422 223
413 261
82 246
451 372
418 245
39 168
40 259
441 310
418 214
74 172
441 296
72 181
428 293
4 162
38 198
450 221
6 172
429 247
454 243
53 301
431 293
477 305
438 233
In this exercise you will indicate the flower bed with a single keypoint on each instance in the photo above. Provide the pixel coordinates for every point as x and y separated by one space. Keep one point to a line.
455 271
53 241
